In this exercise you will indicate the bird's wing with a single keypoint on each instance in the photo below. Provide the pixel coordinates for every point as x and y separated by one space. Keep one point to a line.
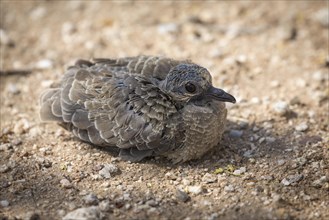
149 66
105 108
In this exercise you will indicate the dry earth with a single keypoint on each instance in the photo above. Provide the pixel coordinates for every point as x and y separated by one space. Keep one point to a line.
272 162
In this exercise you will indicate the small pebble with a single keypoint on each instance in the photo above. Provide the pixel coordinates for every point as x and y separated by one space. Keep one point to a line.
182 196
104 206
270 139
92 212
281 162
322 16
209 178
4 168
194 189
4 38
236 133
241 59
281 107
240 171
66 183
302 127
319 182
275 84
4 203
44 64
38 13
229 188
12 88
289 180
108 170
90 199
167 28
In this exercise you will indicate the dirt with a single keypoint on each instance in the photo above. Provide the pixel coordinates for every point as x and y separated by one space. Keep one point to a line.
272 162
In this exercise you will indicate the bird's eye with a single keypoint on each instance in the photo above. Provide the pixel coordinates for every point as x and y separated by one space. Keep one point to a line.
190 87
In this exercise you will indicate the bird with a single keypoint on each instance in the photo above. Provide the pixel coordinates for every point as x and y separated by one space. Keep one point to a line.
144 106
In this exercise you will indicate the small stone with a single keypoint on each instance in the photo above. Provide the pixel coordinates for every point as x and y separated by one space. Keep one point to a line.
195 189
38 13
4 38
209 178
270 139
104 206
4 168
4 203
236 133
240 171
261 140
167 28
108 170
292 179
44 64
182 196
68 28
229 188
216 53
281 162
320 76
213 216
322 16
21 126
302 127
255 100
92 212
4 147
66 183
241 59
285 182
319 182
91 199
300 83
186 182
281 107
12 88
275 84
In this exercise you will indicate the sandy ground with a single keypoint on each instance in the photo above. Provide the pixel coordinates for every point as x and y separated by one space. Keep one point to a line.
273 160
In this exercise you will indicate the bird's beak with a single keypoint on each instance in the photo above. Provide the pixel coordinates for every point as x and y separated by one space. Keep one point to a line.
220 95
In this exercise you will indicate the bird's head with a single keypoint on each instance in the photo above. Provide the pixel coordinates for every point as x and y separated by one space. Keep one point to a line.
190 82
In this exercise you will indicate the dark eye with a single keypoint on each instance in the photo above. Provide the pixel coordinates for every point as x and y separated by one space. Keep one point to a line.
190 87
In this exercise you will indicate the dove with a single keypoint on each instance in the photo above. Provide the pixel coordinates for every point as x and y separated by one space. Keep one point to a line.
144 106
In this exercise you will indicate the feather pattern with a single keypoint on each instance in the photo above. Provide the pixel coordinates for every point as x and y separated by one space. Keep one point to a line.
126 103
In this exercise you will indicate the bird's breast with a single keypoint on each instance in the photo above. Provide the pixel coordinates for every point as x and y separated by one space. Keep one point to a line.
203 129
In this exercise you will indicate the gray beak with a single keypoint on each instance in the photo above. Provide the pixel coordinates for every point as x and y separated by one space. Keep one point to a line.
220 95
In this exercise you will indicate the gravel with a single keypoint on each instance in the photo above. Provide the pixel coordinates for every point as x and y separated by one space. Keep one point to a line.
262 168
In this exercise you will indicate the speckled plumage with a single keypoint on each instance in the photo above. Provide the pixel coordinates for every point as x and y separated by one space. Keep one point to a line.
143 105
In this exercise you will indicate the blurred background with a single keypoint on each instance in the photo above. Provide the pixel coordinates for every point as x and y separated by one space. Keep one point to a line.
271 55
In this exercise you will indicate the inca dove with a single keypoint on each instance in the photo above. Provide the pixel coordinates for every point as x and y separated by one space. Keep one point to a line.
143 105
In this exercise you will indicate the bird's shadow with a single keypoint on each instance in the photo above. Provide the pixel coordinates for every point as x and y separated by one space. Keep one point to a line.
254 140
